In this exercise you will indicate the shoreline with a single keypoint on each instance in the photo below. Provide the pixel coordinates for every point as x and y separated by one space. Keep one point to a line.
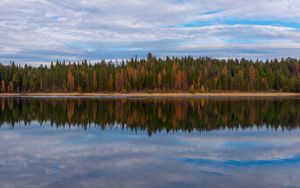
164 95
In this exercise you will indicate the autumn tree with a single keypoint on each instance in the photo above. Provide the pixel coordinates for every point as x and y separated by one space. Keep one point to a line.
71 81
10 87
181 80
224 77
252 76
3 88
119 83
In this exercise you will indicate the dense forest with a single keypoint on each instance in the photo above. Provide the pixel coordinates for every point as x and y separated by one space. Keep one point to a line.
200 74
152 115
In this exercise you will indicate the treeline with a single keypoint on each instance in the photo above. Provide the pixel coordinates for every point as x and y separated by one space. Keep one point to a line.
153 115
201 74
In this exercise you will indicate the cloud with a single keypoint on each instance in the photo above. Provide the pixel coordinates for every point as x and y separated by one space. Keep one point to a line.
42 31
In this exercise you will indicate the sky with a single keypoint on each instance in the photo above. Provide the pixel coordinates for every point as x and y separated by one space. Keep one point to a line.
41 31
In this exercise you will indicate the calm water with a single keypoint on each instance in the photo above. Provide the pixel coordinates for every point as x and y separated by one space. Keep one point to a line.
80 142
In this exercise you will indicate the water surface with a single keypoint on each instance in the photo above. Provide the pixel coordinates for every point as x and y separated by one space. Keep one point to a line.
94 142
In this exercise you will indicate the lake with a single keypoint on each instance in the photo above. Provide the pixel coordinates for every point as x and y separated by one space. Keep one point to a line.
142 142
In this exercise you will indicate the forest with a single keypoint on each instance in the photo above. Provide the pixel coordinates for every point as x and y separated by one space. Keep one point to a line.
169 74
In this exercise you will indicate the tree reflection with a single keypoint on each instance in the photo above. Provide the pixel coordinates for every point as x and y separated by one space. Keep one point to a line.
154 115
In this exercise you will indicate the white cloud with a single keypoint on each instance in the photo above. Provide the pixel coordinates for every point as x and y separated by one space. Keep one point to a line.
93 29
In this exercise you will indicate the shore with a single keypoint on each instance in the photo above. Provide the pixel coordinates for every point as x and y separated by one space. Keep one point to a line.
165 95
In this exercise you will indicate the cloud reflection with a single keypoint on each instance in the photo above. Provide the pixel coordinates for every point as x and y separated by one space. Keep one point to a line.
44 157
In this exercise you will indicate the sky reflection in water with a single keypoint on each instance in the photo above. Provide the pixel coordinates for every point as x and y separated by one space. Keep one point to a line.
45 156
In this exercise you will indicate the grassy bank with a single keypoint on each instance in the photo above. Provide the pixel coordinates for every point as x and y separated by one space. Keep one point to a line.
145 94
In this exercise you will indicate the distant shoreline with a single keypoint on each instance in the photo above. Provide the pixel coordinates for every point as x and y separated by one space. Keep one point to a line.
165 95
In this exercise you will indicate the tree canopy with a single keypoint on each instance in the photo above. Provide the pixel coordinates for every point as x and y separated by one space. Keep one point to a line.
200 74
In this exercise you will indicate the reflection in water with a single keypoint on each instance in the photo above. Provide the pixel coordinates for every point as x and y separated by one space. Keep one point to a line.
201 153
154 115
